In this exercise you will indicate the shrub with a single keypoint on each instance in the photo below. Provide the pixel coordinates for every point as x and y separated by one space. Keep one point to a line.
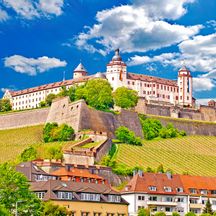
151 128
127 136
53 132
55 152
160 214
149 170
5 105
29 154
160 169
175 214
42 104
143 212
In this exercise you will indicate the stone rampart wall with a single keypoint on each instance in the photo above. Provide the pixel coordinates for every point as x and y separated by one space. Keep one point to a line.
24 118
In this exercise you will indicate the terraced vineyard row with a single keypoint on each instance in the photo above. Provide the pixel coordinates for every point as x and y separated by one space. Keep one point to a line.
193 154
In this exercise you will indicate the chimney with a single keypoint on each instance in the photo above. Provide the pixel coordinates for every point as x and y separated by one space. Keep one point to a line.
140 173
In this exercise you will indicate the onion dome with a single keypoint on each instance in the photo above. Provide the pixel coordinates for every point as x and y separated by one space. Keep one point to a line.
117 57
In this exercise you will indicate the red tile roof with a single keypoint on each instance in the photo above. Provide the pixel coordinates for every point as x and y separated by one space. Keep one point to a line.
75 173
160 181
146 78
50 86
198 182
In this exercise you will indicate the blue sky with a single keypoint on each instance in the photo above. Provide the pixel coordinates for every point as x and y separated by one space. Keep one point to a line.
40 39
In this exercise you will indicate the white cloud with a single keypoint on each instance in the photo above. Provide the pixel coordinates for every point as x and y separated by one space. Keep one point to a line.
30 9
3 15
203 84
138 27
51 6
169 9
32 66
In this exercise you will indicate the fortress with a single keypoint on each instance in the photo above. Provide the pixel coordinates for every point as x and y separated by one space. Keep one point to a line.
150 88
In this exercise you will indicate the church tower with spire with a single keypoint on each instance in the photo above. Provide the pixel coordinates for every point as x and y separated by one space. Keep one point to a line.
116 72
185 86
79 71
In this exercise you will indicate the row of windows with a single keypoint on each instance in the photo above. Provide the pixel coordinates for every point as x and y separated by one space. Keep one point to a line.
167 199
99 214
159 86
28 101
203 191
166 189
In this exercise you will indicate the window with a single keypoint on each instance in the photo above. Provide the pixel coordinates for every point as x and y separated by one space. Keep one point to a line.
40 195
112 78
114 198
121 214
213 202
193 191
110 214
85 213
180 199
141 197
213 192
204 192
167 189
193 201
169 199
65 195
153 198
179 190
168 209
152 188
97 214
90 197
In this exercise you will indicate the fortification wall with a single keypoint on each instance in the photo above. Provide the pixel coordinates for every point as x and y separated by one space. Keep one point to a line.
24 118
191 127
205 113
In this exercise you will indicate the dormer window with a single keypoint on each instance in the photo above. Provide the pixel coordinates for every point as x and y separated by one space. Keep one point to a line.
167 189
193 190
152 188
179 190
204 192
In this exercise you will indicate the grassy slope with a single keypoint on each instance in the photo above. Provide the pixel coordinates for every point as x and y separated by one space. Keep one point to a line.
193 154
14 141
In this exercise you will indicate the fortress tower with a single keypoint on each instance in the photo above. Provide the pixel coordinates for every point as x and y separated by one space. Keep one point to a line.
80 71
185 87
116 72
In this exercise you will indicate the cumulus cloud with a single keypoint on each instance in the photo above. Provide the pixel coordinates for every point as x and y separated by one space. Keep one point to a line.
3 15
51 6
203 84
32 66
138 27
199 54
30 9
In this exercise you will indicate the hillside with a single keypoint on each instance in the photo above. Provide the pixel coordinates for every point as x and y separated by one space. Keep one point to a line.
193 154
14 141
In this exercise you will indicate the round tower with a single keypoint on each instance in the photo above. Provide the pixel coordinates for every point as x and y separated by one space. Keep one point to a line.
116 72
79 71
185 86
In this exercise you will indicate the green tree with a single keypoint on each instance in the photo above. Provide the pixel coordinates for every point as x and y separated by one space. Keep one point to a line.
160 169
64 92
80 92
208 208
42 104
149 170
125 98
51 209
160 214
28 154
143 212
14 188
190 214
5 105
127 136
55 152
49 99
98 94
72 93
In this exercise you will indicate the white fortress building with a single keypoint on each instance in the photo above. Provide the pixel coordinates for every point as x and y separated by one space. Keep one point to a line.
149 87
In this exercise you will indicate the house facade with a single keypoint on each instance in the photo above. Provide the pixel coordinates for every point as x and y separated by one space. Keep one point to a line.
151 88
169 193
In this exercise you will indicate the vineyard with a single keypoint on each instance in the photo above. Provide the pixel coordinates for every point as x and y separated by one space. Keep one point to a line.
195 155
14 141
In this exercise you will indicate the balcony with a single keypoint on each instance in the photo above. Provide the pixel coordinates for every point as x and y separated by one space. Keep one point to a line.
161 203
196 205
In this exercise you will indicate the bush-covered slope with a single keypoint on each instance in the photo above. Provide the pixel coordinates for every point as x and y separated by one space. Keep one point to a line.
193 154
